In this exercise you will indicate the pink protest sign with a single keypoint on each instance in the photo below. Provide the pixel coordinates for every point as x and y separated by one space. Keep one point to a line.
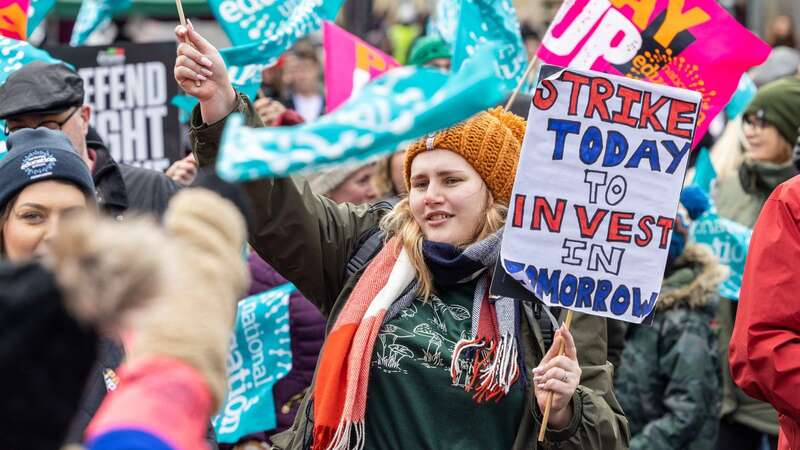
689 44
14 19
350 63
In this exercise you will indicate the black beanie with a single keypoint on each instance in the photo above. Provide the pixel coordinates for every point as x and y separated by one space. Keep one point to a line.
41 154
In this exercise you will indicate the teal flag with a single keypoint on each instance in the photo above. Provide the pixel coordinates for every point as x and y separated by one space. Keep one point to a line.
94 14
270 36
260 354
13 55
491 21
704 172
444 21
392 110
37 11
729 241
246 22
744 93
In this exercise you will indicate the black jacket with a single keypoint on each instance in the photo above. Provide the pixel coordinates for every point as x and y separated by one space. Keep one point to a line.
122 188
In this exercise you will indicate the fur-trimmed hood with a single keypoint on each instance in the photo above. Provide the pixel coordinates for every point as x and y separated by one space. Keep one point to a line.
693 282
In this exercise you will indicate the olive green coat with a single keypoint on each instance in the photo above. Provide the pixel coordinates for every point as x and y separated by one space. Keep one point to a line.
309 240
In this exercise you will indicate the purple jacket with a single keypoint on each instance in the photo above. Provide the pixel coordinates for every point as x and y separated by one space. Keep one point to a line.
307 329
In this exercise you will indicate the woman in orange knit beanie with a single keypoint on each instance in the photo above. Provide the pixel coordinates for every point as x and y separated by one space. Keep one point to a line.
416 356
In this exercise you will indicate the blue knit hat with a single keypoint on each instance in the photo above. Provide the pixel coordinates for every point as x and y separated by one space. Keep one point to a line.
41 154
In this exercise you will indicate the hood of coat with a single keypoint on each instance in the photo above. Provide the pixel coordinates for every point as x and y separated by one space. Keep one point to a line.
693 280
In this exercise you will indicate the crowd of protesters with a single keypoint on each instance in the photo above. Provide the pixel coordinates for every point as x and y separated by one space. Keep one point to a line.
118 284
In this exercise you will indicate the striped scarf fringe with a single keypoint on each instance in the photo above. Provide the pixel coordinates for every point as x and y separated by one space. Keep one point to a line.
490 356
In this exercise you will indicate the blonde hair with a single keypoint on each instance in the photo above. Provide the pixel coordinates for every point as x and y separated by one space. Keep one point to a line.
400 222
382 179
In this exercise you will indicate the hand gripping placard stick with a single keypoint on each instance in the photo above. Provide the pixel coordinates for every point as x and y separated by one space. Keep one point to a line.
183 22
549 404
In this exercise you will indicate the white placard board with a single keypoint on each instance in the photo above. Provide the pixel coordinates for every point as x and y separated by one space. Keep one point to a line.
596 191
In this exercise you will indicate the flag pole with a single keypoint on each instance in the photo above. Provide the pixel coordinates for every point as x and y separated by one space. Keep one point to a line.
522 80
180 12
549 404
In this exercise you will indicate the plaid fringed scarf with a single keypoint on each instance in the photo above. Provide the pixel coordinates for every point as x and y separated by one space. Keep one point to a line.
490 356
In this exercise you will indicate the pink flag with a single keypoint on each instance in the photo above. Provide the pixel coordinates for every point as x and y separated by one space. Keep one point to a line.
350 63
691 44
14 19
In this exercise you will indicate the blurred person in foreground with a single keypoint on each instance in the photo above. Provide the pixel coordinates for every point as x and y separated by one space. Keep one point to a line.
770 126
764 352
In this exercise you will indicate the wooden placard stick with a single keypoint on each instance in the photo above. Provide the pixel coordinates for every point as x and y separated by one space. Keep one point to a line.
522 80
549 404
180 12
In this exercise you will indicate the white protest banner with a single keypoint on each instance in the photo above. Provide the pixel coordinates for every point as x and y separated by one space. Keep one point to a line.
596 193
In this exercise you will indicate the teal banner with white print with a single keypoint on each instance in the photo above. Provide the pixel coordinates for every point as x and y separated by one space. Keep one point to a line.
37 11
482 21
443 22
729 241
93 15
260 354
270 36
402 105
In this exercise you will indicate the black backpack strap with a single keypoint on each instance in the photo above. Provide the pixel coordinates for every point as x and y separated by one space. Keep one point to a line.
546 322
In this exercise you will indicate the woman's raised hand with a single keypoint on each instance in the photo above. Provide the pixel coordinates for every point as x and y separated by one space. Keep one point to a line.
559 375
201 72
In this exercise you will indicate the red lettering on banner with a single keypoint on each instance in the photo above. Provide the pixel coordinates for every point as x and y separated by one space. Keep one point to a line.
678 110
616 227
578 81
544 103
589 227
666 224
541 208
648 114
644 224
629 98
600 91
519 210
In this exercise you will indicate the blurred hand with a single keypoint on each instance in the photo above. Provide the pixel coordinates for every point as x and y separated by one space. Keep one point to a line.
183 171
269 110
200 71
559 375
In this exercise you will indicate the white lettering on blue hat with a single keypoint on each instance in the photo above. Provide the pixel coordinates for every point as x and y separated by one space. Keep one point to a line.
38 163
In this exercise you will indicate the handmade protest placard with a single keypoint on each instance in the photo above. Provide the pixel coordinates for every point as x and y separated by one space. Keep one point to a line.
596 192
691 44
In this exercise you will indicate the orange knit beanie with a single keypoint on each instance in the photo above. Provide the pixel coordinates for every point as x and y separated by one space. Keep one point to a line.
490 141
